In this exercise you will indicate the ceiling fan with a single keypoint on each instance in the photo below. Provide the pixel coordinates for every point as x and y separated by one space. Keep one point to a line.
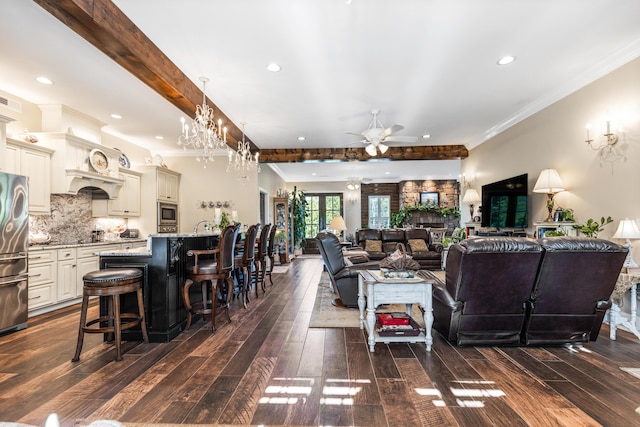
378 138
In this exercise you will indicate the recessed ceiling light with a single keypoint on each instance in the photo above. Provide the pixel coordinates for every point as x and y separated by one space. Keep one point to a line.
301 138
506 60
426 136
44 80
116 116
159 137
273 67
314 174
388 173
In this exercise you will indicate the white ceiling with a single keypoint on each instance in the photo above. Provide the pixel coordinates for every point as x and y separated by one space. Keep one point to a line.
427 65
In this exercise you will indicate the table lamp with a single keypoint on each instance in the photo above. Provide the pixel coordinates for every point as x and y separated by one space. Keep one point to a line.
549 182
337 225
628 229
471 196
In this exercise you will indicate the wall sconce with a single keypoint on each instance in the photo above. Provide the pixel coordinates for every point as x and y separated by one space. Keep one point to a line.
606 149
549 182
471 196
353 199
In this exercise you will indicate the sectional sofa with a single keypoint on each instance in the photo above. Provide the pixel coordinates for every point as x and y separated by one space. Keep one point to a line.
423 244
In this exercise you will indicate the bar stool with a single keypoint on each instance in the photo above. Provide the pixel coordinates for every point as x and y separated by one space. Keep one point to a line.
111 282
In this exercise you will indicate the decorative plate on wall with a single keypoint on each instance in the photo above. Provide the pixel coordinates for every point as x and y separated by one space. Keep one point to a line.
99 161
124 161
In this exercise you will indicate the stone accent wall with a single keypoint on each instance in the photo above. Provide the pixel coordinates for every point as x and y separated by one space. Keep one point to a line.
449 197
407 193
448 191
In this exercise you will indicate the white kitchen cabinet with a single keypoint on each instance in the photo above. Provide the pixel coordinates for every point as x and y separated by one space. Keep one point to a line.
43 270
55 275
66 283
167 185
128 202
33 161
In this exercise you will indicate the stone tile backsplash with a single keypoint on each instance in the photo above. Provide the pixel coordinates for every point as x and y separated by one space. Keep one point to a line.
70 221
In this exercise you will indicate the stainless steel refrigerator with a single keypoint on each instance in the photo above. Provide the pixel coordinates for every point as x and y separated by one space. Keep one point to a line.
14 244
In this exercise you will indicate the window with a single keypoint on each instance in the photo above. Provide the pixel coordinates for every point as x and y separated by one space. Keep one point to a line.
379 211
321 208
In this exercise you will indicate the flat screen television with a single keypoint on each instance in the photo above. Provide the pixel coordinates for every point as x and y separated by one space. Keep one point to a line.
505 203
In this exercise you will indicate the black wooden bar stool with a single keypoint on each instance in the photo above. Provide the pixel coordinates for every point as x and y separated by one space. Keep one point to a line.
111 282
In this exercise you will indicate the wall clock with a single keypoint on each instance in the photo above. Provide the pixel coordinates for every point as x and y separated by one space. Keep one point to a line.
99 160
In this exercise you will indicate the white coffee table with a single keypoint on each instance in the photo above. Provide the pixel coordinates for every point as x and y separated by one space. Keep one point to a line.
372 293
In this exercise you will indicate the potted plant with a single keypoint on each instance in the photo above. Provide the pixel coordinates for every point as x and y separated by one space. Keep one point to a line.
591 228
279 240
298 216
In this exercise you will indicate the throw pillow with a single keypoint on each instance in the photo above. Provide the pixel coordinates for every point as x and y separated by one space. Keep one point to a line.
417 245
373 246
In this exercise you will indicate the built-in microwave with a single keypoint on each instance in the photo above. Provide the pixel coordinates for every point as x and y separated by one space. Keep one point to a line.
167 217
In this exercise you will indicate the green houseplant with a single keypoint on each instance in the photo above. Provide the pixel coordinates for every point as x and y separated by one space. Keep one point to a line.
298 216
591 228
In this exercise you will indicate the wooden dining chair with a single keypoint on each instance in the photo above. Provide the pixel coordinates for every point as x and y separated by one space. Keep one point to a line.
261 257
271 249
245 262
214 276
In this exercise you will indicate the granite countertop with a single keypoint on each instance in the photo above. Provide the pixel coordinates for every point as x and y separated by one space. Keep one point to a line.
125 252
173 235
76 245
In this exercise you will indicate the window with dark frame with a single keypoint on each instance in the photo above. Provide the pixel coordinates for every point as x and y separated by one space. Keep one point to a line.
321 208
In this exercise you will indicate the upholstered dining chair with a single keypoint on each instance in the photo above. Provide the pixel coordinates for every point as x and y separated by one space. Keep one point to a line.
208 272
245 262
261 256
271 252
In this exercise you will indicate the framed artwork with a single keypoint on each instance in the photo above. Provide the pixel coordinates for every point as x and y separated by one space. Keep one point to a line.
428 198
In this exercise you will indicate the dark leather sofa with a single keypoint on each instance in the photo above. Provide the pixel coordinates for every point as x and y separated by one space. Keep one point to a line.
344 278
429 258
520 291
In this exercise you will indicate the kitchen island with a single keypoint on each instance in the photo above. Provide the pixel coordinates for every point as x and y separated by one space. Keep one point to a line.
164 264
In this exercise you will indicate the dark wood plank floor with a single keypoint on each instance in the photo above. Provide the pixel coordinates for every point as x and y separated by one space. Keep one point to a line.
268 368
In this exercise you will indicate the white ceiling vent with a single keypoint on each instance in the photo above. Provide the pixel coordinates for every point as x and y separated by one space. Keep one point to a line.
11 104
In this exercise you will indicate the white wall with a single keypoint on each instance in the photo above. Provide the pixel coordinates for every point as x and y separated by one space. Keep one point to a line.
555 138
213 183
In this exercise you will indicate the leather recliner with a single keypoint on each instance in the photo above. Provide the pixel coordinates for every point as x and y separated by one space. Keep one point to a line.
344 278
572 291
488 283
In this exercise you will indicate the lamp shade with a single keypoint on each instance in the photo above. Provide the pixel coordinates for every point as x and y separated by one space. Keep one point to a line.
471 196
548 182
627 229
337 223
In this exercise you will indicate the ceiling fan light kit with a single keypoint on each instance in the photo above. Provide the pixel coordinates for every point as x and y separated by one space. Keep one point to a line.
377 137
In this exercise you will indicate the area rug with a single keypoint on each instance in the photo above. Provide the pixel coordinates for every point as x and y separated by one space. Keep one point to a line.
326 315
279 269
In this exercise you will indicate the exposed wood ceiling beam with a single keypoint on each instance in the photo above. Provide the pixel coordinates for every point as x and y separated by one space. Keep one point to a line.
428 152
103 24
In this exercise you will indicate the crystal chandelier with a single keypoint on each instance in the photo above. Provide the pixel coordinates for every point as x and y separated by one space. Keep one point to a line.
203 135
242 161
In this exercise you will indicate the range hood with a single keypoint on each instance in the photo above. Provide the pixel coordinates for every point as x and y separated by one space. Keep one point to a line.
72 169
77 179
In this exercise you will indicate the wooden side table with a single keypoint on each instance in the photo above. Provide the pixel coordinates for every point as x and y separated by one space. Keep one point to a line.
626 282
396 292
